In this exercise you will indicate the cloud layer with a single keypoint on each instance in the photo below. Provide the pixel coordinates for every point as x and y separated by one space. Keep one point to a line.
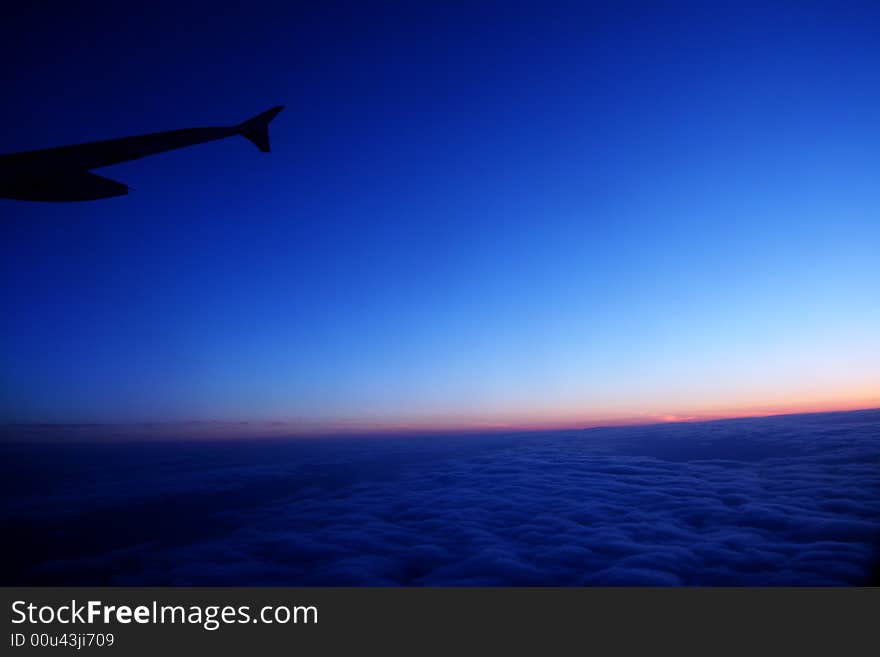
788 500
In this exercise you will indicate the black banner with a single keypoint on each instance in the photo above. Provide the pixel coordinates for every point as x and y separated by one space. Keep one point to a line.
146 621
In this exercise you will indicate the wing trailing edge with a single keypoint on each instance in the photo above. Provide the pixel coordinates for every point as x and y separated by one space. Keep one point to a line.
63 186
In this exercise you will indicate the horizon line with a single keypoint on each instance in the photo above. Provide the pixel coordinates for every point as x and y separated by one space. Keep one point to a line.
284 429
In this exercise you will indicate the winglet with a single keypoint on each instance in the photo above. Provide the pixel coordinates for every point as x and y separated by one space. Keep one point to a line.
256 130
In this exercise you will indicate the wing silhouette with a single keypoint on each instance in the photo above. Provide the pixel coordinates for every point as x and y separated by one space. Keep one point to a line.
63 173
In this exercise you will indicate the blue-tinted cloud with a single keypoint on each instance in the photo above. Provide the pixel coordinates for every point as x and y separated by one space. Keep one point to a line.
770 501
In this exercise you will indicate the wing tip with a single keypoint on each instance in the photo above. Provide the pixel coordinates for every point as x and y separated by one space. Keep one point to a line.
256 129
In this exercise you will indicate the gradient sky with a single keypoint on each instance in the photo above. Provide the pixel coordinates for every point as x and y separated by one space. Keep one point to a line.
480 215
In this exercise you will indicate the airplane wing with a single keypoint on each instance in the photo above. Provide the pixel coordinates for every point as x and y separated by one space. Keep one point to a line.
62 173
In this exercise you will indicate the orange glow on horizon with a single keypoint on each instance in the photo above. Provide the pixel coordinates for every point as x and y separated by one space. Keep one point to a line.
221 429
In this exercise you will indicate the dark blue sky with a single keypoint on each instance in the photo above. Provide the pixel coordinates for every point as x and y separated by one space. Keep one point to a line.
479 214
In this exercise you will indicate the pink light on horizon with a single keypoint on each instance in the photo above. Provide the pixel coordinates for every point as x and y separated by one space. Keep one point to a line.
240 429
